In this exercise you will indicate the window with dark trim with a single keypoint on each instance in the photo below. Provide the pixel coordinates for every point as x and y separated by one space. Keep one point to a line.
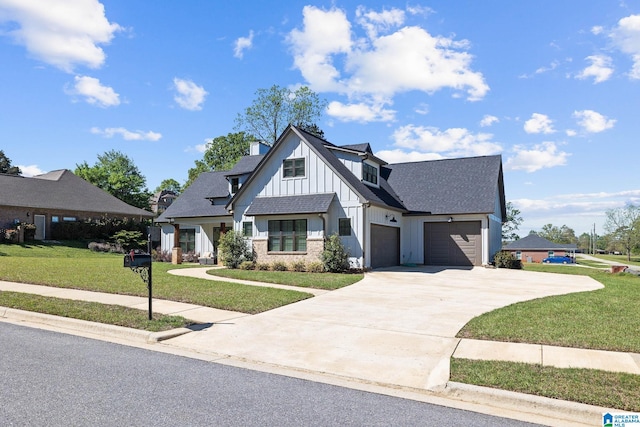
289 235
344 226
370 173
247 229
293 168
235 185
188 240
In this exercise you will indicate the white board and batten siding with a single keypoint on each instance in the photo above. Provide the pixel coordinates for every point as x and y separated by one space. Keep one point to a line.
319 179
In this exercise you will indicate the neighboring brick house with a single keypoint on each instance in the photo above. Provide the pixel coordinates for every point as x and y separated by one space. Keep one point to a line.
58 196
534 248
287 201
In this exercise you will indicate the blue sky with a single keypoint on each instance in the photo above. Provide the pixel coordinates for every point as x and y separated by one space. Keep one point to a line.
553 86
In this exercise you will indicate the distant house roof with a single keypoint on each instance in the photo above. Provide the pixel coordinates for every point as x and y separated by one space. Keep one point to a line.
62 190
195 200
451 186
282 205
534 242
365 147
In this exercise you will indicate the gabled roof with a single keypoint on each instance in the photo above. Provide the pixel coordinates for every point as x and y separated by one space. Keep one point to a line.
246 164
535 242
363 148
283 205
451 186
194 202
62 190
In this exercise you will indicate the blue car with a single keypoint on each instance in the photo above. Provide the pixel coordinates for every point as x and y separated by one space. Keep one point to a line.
558 260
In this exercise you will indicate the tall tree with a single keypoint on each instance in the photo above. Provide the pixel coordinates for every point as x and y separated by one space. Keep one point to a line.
116 174
563 234
6 167
275 108
221 154
511 223
624 226
169 184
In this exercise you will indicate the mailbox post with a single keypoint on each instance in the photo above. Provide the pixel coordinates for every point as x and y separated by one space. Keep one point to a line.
141 264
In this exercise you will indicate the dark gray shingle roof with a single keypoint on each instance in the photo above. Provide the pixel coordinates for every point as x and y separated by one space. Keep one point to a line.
193 202
246 164
365 147
62 189
451 186
535 242
304 204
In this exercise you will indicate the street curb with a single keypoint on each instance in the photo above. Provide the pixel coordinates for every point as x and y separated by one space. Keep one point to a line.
562 410
111 331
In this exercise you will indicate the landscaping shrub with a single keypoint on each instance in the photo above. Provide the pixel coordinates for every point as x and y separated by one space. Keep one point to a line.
298 266
247 265
279 266
160 255
315 267
100 247
262 266
505 259
129 240
190 257
335 257
234 249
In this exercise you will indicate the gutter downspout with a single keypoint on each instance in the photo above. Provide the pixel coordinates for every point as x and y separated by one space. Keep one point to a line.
364 233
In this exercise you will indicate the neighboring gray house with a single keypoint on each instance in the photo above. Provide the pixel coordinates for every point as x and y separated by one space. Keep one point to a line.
534 248
58 196
443 212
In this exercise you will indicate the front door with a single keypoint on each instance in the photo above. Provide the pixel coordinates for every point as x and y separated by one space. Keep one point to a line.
40 223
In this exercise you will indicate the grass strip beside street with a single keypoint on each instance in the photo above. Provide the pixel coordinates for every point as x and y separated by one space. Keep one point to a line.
593 387
92 311
605 319
327 281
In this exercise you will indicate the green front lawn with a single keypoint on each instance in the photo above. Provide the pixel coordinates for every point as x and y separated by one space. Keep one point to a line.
327 281
77 268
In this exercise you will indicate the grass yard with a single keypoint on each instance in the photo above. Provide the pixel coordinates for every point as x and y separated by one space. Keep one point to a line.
92 311
78 268
605 319
607 389
328 281
622 259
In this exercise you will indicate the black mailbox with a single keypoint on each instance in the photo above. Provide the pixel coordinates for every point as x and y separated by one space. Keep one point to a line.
137 260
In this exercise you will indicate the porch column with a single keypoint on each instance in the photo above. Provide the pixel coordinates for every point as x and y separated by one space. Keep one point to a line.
176 251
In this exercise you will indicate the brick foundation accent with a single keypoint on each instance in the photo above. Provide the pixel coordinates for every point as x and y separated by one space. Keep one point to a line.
314 249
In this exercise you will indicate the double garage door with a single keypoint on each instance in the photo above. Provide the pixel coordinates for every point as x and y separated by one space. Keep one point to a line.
455 243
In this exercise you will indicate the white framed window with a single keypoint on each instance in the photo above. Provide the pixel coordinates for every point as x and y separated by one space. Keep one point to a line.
344 226
370 173
293 168
287 235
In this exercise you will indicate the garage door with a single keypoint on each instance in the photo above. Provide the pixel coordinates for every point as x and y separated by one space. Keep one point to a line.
452 243
385 246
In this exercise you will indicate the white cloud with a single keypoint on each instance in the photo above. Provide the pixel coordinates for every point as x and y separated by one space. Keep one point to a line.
386 60
189 95
242 44
597 29
62 33
626 37
539 123
30 170
571 132
127 135
545 155
94 92
592 121
600 69
359 112
454 142
488 120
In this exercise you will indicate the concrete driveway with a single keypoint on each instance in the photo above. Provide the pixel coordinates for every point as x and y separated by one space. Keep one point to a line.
395 327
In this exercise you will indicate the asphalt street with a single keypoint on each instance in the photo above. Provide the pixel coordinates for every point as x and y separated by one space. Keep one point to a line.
56 379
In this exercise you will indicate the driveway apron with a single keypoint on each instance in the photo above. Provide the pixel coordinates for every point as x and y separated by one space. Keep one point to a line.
395 327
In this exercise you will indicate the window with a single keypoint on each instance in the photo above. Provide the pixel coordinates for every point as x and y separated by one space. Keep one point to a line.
69 218
550 253
288 235
292 168
519 255
370 173
188 240
344 226
247 229
55 219
235 185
